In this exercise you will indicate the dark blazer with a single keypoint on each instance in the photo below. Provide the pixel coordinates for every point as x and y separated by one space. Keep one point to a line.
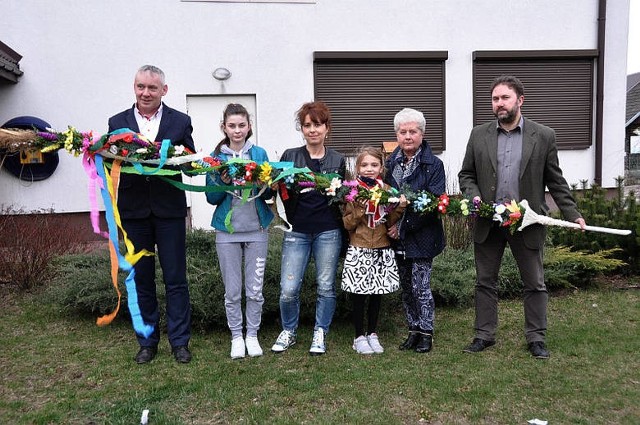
140 196
539 168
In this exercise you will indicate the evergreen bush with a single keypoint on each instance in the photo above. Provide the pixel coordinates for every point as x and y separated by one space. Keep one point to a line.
619 212
82 284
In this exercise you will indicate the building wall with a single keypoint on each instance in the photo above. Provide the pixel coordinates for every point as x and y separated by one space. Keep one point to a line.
79 59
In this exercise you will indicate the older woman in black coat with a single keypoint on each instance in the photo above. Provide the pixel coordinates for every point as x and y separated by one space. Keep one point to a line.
418 237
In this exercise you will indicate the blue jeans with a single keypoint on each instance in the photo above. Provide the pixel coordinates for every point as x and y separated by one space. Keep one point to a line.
297 249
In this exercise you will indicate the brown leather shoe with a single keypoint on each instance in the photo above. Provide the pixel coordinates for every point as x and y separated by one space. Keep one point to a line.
478 345
146 354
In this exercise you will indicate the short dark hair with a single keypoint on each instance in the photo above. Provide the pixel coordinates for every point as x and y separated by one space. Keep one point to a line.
510 81
318 112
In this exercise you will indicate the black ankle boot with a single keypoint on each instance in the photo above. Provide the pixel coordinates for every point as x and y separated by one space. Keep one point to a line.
425 343
410 342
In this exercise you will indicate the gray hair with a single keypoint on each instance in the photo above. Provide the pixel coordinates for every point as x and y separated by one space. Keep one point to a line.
410 115
154 70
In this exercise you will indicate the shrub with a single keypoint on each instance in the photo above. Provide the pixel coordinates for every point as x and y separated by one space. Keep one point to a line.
83 286
453 277
28 246
565 268
620 212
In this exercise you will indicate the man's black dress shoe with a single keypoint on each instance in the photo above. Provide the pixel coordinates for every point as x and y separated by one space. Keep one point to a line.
538 350
146 354
411 341
425 342
181 353
478 345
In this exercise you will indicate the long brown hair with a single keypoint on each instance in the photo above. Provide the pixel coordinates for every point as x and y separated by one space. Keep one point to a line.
232 109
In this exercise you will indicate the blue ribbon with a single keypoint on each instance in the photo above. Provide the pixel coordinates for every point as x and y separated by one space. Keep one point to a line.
164 149
132 295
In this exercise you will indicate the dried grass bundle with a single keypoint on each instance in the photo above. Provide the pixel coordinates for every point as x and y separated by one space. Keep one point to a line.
16 140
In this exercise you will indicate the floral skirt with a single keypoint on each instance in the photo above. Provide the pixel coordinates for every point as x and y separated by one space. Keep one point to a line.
370 271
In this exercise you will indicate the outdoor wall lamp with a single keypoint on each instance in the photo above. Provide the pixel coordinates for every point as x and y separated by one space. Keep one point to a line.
221 74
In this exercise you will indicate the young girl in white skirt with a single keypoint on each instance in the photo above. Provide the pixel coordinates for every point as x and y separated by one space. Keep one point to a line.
370 268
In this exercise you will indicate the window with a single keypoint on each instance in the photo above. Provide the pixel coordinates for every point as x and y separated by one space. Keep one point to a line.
558 89
366 89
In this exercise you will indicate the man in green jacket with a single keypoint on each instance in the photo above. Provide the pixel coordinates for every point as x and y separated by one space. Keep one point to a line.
512 158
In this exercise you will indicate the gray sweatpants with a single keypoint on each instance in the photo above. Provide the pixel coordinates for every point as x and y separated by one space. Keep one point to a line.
230 256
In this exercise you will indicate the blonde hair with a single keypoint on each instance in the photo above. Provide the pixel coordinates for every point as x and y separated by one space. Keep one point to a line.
371 151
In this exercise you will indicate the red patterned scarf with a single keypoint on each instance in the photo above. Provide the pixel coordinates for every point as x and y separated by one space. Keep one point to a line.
375 213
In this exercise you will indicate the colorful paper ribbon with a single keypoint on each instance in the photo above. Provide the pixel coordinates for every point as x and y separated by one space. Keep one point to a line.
123 262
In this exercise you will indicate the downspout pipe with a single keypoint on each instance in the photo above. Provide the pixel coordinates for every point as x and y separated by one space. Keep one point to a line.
602 19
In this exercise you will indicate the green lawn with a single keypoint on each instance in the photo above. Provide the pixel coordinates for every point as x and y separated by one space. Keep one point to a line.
67 370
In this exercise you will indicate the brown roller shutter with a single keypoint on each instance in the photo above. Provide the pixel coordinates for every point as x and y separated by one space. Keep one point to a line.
559 90
366 89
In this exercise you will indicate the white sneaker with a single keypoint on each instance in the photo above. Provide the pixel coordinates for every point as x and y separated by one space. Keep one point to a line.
375 344
317 345
237 348
285 340
361 345
253 346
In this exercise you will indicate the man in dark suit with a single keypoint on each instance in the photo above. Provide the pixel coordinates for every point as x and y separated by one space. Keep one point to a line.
512 158
153 215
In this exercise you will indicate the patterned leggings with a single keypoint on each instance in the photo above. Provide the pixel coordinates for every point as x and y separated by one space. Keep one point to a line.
417 299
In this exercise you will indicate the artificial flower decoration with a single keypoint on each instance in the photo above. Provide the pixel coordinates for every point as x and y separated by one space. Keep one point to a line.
351 196
306 184
208 163
514 216
133 147
499 209
507 214
464 207
304 181
70 140
458 206
375 194
265 173
249 168
443 203
333 186
212 161
423 202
